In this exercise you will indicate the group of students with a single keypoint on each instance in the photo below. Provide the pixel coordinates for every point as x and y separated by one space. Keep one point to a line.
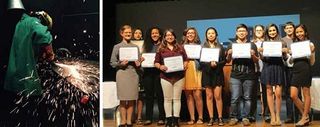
271 73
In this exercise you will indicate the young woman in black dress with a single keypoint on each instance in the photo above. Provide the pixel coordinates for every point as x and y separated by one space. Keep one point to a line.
301 77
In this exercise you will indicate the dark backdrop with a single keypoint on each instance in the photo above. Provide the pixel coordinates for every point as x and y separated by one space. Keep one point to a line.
175 13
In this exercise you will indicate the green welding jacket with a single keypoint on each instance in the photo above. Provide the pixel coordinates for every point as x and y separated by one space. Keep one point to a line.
22 76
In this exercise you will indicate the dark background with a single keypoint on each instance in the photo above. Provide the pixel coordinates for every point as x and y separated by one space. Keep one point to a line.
175 13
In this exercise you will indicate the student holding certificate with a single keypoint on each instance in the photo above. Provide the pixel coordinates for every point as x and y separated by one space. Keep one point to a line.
272 75
288 40
243 77
172 83
127 77
258 39
193 79
301 77
212 76
137 36
151 77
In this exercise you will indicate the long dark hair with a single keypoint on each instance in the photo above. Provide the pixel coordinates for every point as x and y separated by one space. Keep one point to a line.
304 27
148 42
176 46
134 30
206 43
277 38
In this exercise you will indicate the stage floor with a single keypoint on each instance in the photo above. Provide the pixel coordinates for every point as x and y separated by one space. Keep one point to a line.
259 123
109 122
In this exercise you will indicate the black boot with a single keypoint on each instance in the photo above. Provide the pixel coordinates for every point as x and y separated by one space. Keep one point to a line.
175 122
168 122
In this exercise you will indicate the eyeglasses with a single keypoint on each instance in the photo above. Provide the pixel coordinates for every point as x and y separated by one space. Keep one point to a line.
241 31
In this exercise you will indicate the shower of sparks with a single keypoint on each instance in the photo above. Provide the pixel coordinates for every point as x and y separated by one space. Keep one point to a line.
71 71
70 96
70 87
28 77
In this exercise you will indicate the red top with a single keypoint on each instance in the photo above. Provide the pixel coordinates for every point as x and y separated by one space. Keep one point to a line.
173 76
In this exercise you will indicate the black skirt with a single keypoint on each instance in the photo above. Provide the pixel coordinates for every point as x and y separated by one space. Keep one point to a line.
272 74
301 73
212 78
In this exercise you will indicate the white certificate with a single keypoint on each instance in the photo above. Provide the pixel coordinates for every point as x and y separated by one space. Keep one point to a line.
241 50
193 51
139 43
128 53
300 49
173 64
209 54
272 49
148 59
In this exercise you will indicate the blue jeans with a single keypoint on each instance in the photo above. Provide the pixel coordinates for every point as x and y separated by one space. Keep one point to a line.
241 90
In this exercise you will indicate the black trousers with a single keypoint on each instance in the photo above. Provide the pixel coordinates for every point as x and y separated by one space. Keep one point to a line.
152 87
